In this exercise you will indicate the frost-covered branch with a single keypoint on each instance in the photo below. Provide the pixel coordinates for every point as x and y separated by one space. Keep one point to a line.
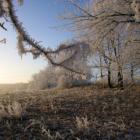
23 37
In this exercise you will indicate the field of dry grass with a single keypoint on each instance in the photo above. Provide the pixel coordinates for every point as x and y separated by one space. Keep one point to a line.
82 113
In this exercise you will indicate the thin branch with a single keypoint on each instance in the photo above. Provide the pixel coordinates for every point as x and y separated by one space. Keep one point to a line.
2 26
20 29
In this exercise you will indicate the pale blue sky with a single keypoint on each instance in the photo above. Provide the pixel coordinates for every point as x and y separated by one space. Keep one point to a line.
38 17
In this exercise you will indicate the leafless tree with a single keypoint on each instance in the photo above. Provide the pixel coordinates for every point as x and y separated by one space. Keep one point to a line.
102 18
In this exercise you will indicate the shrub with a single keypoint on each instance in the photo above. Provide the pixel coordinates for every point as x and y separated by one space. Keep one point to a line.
102 83
64 82
43 80
68 82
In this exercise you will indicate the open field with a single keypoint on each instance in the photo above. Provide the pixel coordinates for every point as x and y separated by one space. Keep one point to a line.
4 88
82 113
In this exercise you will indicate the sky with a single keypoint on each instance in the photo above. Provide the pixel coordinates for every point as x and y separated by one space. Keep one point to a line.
39 18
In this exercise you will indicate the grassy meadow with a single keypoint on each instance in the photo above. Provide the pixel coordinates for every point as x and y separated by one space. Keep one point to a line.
80 113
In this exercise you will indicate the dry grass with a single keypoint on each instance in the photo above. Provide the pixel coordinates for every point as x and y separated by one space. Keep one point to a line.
14 109
84 113
82 123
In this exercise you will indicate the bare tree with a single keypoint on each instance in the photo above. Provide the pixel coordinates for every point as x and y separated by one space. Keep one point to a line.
104 17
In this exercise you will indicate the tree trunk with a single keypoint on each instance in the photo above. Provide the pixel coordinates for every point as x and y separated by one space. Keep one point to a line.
120 78
132 74
109 78
101 69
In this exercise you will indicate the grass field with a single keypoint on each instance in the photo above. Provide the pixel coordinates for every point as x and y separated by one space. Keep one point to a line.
82 113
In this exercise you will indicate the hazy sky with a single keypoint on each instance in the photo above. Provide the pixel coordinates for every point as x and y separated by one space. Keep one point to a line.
38 17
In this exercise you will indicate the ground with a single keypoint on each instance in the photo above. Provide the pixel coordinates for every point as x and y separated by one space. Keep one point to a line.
82 113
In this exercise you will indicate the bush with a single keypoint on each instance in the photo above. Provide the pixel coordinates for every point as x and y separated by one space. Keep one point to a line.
102 83
43 80
67 82
64 82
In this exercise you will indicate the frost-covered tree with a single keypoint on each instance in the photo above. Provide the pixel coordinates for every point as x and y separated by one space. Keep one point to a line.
103 16
59 77
95 22
45 79
79 62
25 43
